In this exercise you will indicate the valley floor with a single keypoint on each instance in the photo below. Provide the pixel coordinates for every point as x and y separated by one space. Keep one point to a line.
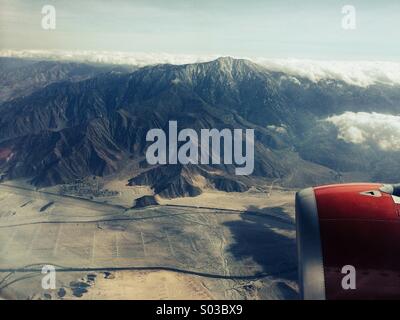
215 246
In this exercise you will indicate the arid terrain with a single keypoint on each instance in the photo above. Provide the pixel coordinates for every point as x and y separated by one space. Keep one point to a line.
78 192
205 247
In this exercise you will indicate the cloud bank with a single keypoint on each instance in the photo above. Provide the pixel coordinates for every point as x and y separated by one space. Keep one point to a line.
116 57
359 73
374 129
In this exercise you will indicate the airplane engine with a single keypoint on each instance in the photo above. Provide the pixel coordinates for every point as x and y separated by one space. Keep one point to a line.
348 241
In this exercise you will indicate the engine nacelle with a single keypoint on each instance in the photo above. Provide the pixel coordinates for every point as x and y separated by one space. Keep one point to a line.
348 240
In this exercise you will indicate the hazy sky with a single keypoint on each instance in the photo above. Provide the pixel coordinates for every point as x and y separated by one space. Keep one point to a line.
269 28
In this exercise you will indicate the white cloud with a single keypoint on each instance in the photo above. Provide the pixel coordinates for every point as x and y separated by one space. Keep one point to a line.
382 130
279 129
115 57
360 73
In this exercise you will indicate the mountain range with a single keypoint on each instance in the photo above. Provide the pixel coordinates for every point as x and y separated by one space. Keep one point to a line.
61 121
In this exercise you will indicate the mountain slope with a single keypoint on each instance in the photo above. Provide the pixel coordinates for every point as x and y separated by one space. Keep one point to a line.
73 129
19 77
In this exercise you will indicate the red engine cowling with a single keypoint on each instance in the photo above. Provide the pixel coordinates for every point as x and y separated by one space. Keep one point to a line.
349 228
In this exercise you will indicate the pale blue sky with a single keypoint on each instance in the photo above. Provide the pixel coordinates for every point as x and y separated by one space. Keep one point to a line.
269 28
